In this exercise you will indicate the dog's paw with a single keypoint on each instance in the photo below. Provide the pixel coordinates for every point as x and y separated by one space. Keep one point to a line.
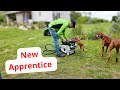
107 62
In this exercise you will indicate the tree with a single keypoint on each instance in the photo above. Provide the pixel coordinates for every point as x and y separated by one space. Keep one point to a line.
75 15
114 18
115 27
90 19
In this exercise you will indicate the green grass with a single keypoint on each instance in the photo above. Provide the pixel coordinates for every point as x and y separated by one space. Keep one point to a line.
81 65
90 30
103 27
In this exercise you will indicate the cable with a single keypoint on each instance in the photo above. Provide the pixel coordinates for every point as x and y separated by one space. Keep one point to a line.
47 51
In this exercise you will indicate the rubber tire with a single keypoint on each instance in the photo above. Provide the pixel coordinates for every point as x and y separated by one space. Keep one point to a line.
74 52
68 53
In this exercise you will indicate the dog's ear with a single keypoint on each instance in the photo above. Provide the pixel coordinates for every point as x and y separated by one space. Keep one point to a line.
75 37
100 35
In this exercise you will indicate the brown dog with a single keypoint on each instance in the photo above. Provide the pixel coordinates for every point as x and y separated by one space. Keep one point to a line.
115 43
105 41
77 39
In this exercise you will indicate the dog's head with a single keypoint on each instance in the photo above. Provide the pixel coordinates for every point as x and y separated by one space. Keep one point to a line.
76 38
99 35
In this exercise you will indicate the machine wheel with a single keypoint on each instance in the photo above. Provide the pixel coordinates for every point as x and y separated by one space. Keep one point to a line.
61 49
68 53
74 52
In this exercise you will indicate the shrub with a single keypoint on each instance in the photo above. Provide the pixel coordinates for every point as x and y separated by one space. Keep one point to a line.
79 25
92 34
114 30
41 24
97 20
2 18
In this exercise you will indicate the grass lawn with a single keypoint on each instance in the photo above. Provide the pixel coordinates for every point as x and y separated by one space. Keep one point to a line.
103 27
81 65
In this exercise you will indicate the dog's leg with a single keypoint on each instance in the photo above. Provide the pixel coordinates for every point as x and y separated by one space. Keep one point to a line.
117 50
106 49
109 51
103 47
102 50
80 47
83 48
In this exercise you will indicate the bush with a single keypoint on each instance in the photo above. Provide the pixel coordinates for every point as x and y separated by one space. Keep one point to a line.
41 25
34 27
97 20
91 29
92 34
38 25
114 18
2 18
114 30
83 19
79 30
75 15
80 22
